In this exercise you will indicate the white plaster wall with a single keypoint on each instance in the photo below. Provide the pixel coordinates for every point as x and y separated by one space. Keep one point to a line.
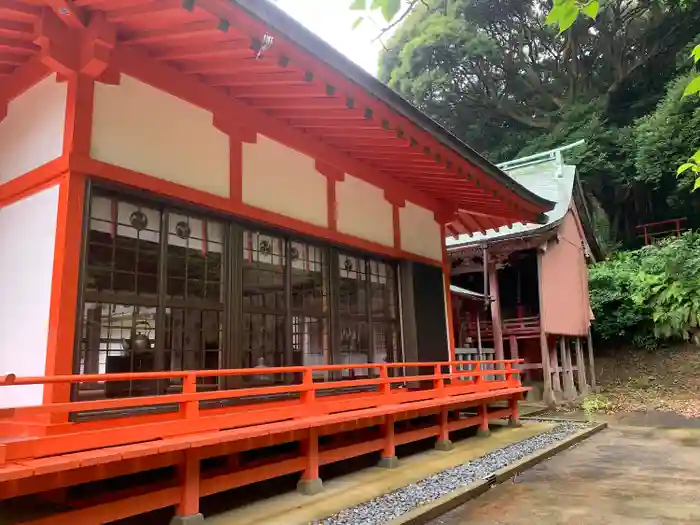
27 239
282 180
32 132
138 127
364 212
420 232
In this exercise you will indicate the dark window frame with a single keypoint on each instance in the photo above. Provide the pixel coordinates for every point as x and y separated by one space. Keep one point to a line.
231 306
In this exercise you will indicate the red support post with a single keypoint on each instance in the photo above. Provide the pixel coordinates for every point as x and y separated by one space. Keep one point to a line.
310 482
189 474
483 430
389 459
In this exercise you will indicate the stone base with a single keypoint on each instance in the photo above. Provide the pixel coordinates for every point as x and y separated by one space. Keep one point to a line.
514 423
187 520
483 433
309 487
443 445
391 462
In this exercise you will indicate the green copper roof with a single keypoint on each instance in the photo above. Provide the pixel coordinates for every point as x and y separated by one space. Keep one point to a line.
544 174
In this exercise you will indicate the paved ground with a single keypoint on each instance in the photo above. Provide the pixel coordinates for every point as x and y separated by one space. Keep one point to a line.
622 476
352 489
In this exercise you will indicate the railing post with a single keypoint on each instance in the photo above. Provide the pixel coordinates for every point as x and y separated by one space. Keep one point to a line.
389 459
385 386
439 381
189 386
308 395
478 379
509 374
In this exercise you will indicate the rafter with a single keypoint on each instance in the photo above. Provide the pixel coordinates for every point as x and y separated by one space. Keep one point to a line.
232 48
18 11
189 32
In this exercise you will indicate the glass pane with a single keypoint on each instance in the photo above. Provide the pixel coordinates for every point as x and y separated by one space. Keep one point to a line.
352 286
195 258
264 342
309 278
264 260
123 247
193 340
354 345
383 290
310 341
117 338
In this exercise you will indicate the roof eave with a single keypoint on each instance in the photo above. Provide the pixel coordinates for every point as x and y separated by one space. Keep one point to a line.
280 21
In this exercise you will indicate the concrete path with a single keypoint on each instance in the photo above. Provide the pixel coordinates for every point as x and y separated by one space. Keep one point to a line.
621 476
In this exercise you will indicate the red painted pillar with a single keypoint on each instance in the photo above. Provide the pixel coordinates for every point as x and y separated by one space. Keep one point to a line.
389 459
310 482
189 474
496 312
483 430
443 442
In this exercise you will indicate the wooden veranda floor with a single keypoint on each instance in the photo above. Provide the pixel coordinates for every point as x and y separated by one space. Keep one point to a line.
129 458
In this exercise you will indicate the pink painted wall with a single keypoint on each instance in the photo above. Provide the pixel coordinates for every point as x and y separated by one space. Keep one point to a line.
564 302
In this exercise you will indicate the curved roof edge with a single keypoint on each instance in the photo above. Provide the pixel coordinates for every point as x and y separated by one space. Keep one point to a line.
282 22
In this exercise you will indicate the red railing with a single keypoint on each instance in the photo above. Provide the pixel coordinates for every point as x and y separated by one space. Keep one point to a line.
655 231
191 418
68 453
517 326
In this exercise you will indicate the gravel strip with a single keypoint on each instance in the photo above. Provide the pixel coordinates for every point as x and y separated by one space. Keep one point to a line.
393 504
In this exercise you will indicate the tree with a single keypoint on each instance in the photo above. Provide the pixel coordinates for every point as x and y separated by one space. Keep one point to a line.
501 78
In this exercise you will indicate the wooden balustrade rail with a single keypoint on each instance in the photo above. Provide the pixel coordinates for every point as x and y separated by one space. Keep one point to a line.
307 388
70 450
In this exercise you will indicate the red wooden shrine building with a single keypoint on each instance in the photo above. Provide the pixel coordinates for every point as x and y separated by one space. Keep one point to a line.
535 280
219 237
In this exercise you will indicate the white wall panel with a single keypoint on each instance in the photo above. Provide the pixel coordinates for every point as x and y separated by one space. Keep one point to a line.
27 240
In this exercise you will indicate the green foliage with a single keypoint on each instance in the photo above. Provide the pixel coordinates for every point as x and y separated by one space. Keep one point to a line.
618 318
595 403
389 9
649 295
506 83
565 12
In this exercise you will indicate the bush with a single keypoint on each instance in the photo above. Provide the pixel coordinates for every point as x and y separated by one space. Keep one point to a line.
649 295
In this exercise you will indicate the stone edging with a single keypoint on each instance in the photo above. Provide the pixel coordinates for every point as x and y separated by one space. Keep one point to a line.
440 506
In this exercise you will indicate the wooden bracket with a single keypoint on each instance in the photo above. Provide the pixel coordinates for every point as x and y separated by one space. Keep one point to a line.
234 129
329 171
394 199
445 214
97 45
58 43
69 50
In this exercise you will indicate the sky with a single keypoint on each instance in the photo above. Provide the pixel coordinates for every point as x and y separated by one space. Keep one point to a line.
332 21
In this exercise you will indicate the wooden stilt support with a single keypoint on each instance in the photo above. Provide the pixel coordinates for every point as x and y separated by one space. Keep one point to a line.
548 393
591 362
580 367
443 442
389 459
514 420
496 312
189 475
310 482
569 388
556 376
